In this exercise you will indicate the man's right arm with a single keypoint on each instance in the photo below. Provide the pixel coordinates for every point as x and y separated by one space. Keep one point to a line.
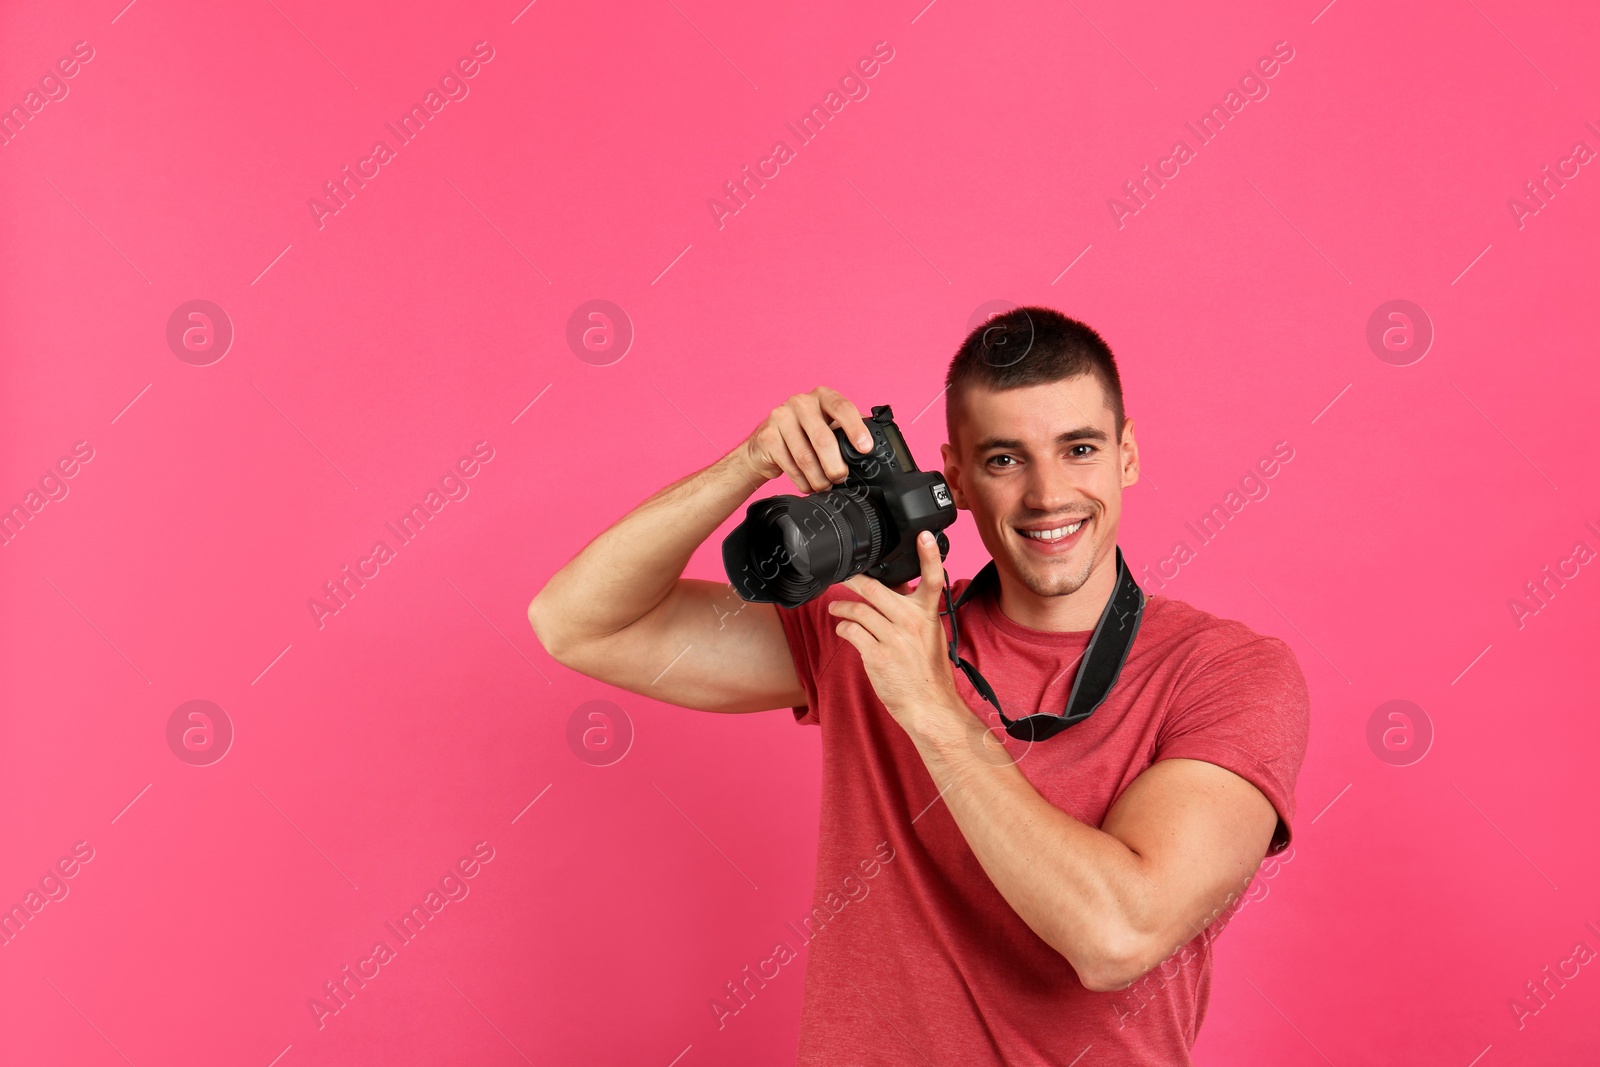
621 612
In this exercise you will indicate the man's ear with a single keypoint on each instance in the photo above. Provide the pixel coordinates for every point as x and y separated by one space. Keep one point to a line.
952 477
1129 449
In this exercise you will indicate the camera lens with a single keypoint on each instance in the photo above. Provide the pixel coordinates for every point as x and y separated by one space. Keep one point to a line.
794 541
790 548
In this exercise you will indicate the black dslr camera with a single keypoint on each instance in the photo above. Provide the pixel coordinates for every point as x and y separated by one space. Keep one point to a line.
790 548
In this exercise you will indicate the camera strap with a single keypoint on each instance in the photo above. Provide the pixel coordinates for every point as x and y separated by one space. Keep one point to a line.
1097 671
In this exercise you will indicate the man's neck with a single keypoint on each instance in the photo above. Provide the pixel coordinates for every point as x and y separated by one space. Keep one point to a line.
1070 612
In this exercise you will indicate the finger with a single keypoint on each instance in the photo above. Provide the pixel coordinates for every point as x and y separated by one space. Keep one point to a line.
932 586
823 442
800 448
781 456
846 415
859 637
873 626
889 604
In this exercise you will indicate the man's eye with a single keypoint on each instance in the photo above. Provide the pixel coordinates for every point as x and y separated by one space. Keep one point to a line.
1089 447
996 459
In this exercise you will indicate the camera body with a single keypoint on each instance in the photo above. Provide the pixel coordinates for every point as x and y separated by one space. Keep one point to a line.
789 548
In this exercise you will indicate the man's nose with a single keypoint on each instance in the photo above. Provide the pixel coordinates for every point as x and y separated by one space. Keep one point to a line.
1050 489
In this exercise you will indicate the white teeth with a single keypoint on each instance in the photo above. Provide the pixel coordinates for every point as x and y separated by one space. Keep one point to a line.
1053 535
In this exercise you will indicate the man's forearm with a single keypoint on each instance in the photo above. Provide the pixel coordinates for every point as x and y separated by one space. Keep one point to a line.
633 565
1073 884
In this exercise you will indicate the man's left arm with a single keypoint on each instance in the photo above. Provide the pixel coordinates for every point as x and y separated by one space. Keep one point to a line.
1114 901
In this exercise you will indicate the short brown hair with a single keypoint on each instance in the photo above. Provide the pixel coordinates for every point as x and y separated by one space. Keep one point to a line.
1030 346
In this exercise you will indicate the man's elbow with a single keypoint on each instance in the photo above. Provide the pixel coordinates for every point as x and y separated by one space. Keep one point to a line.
545 629
1116 964
1110 976
1104 977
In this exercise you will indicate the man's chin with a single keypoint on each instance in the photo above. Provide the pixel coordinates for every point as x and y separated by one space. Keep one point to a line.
1053 578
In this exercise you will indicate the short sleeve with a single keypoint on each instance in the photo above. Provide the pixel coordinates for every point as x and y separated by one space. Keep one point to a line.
802 627
1247 710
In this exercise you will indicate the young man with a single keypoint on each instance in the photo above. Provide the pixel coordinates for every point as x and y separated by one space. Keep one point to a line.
1032 901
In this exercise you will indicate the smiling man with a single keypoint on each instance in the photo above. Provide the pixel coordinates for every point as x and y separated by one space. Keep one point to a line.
1052 893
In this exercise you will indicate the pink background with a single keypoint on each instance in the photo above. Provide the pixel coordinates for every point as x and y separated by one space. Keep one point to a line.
371 353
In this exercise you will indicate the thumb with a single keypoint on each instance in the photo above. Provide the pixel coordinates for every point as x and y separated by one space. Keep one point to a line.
932 586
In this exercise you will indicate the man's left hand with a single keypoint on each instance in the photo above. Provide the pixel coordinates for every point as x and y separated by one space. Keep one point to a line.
903 644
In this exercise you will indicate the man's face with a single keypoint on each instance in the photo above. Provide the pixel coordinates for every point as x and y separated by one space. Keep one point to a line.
1033 461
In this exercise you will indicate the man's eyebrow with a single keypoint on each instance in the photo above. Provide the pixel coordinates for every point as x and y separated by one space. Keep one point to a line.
1082 433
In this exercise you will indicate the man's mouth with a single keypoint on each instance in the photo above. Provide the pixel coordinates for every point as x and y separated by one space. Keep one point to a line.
1053 535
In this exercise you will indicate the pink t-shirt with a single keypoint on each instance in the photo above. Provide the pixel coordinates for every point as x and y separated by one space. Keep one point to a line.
914 956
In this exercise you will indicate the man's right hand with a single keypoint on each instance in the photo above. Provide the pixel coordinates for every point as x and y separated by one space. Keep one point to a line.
797 439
